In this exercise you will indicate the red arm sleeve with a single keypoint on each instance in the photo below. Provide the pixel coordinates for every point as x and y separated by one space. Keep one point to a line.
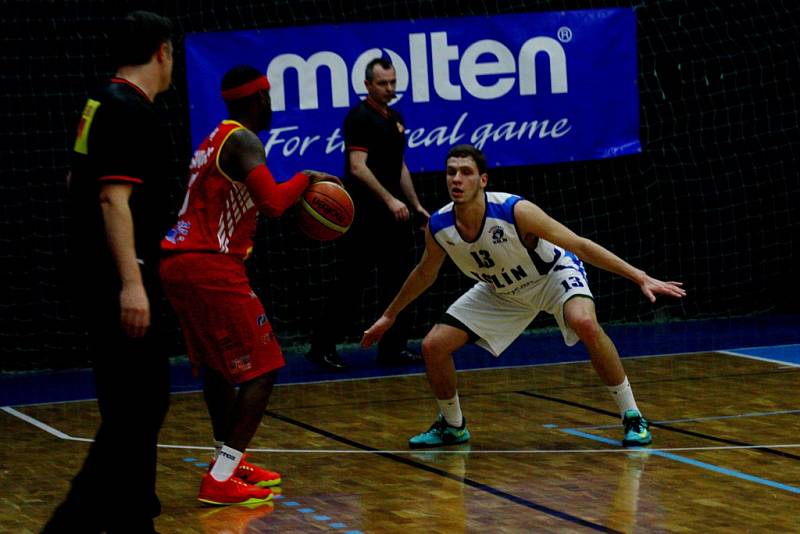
272 198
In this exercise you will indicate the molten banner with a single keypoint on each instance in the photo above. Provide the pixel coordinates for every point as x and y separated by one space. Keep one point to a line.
527 88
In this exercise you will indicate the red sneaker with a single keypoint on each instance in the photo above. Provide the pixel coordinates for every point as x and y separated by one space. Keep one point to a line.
257 476
231 491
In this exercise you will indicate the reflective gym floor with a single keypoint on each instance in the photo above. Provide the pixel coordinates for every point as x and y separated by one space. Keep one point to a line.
723 398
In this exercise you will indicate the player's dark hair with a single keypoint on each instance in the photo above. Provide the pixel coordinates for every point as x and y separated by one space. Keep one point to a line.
234 77
369 73
469 151
138 36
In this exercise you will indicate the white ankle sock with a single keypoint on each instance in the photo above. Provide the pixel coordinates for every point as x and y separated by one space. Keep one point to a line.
227 462
623 396
451 410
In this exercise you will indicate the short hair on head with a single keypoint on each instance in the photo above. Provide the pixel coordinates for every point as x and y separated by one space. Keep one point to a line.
383 62
234 77
469 151
138 36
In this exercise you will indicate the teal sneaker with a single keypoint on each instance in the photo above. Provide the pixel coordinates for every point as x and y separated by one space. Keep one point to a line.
440 433
636 430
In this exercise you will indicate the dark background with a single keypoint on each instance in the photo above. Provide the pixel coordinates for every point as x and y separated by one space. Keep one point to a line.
712 200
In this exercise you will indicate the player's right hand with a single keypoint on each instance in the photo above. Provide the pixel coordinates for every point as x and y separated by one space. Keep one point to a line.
134 310
398 209
375 332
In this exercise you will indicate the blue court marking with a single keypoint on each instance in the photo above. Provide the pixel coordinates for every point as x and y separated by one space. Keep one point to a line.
539 347
553 512
196 462
291 504
787 354
695 463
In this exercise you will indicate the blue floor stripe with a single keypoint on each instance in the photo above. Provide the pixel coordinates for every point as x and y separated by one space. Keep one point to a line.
789 354
695 463
533 348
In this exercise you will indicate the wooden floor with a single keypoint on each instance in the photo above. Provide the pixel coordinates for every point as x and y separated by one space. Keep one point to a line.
544 456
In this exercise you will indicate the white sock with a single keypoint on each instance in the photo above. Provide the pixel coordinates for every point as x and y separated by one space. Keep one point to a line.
451 410
227 462
623 396
217 447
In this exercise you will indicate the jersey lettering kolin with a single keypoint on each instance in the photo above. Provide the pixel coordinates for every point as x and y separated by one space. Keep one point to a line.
218 214
498 256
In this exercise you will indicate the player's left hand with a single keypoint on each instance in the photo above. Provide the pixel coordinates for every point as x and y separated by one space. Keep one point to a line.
422 217
652 287
319 176
375 332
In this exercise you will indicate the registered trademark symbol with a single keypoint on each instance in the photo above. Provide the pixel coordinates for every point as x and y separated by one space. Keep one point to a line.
564 34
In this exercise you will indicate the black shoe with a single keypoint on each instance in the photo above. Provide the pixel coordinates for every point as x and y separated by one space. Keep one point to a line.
404 357
329 359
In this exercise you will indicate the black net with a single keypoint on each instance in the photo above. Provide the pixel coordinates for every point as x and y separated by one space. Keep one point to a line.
711 201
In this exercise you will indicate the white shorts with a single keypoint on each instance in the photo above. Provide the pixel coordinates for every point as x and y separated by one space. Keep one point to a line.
498 319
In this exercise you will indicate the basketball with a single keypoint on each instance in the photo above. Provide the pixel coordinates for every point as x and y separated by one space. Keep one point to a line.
325 212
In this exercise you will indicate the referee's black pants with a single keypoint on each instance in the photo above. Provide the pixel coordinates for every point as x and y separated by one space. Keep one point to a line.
114 491
375 245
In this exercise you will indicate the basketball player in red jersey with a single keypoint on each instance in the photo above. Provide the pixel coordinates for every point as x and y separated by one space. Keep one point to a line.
226 331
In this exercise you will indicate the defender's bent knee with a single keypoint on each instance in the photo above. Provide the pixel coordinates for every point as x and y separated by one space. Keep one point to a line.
442 341
586 326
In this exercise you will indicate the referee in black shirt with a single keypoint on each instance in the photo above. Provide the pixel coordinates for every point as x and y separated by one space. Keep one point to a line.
120 211
381 235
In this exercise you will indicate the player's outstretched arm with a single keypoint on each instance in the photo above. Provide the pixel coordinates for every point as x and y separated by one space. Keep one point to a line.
651 287
534 222
420 279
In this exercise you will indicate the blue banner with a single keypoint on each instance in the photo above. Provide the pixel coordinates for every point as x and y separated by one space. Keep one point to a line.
526 88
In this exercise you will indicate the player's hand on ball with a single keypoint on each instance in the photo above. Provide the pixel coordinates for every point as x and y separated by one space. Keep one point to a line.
375 332
319 176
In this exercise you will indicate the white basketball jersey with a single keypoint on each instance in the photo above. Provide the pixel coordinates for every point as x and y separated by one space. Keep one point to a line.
497 257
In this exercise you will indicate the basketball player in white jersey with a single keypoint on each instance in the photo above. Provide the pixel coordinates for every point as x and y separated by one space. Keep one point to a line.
524 262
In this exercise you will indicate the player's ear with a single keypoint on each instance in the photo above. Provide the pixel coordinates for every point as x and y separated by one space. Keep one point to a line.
164 51
484 179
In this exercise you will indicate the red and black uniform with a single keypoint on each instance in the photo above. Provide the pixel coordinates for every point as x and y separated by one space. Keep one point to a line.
203 271
376 240
118 142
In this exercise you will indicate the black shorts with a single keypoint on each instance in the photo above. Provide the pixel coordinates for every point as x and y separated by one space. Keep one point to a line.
449 320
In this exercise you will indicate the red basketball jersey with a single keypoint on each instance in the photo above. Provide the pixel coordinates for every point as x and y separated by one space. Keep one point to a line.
218 214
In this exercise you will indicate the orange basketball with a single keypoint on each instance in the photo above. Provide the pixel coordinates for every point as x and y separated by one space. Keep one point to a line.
326 211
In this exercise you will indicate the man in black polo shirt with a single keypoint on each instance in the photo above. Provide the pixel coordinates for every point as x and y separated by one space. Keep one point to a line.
120 210
381 235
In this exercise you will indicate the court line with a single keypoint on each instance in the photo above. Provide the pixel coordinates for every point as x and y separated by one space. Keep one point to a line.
663 427
463 480
61 435
43 426
697 419
685 460
525 365
782 363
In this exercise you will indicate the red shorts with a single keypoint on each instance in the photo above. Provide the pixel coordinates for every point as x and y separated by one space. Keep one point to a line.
223 321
